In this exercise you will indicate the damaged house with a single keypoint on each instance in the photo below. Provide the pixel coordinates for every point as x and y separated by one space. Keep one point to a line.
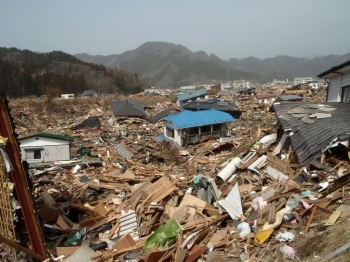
310 130
338 79
190 127
191 96
217 104
45 147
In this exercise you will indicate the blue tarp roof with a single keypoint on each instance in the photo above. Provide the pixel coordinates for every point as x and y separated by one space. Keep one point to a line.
188 118
191 94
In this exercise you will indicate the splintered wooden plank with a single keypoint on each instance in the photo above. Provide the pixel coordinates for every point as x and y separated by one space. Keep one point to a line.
159 190
333 218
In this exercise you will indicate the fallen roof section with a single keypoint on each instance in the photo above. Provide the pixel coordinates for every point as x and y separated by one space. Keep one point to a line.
314 126
191 95
160 116
91 122
218 104
127 108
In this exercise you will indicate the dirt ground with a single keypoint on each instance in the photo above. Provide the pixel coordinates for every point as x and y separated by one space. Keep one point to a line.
321 241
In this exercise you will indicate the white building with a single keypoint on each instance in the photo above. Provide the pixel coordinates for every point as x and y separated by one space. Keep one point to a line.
302 80
44 147
67 96
338 79
266 98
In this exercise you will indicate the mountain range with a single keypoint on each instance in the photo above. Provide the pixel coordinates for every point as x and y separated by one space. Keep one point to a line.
168 65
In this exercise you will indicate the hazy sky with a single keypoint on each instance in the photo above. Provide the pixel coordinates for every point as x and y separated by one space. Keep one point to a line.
227 28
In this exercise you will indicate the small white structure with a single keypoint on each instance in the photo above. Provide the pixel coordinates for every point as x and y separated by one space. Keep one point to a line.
313 85
153 89
266 98
338 79
67 96
45 147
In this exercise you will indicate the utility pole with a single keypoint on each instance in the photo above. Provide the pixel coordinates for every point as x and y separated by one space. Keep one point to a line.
227 74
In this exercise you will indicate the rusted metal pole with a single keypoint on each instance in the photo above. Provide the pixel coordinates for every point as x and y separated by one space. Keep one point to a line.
20 180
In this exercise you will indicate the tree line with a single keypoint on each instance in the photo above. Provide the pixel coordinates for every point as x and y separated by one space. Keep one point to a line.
24 73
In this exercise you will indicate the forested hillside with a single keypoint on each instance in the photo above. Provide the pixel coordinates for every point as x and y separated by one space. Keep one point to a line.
23 73
170 65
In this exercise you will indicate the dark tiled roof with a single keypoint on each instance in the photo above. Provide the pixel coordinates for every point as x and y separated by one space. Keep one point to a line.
333 69
218 104
91 122
49 135
88 93
191 95
160 116
311 135
127 108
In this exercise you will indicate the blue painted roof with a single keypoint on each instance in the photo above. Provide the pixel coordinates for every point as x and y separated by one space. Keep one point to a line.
188 118
191 94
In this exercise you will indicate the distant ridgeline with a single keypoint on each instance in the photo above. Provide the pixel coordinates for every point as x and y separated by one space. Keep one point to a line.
24 73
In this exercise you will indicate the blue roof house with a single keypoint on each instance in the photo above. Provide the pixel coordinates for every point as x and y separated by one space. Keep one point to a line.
189 127
191 96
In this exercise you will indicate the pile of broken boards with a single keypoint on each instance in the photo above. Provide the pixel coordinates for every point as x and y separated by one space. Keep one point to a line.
208 204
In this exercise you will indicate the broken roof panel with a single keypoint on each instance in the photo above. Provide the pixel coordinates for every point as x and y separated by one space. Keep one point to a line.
291 97
160 116
91 122
188 118
88 93
127 108
218 104
312 135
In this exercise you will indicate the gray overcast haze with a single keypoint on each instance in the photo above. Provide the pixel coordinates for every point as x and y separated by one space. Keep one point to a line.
227 28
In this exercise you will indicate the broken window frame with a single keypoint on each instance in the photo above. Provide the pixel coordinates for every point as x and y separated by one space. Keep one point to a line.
169 132
345 94
35 154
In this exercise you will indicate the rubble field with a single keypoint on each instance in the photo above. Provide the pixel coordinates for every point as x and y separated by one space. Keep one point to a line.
127 196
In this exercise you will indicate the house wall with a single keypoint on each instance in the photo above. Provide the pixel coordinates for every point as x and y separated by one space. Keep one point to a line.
48 153
51 149
177 133
334 90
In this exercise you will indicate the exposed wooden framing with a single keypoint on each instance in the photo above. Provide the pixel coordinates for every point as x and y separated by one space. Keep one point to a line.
19 178
7 227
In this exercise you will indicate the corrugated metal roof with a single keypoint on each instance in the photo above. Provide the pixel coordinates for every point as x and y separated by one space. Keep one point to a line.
49 135
191 95
188 118
311 135
127 108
